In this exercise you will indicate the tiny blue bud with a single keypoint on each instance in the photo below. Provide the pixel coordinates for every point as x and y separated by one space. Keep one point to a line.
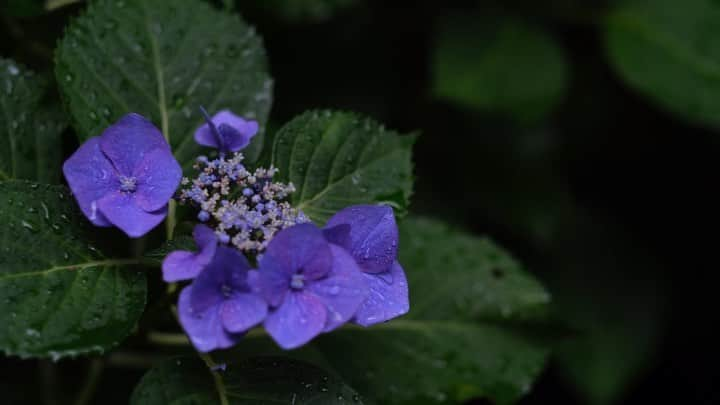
224 238
247 192
203 216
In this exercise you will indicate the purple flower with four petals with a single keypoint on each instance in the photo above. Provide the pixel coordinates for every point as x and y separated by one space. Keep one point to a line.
225 131
311 285
219 306
183 265
370 234
124 177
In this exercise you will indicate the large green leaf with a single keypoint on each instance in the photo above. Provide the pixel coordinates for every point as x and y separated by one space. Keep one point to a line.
498 65
463 336
29 130
162 59
60 295
669 53
268 380
338 159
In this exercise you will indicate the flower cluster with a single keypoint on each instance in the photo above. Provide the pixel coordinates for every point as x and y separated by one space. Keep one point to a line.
246 208
307 280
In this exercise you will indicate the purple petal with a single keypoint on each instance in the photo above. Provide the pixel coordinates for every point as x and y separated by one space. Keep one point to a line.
235 139
300 318
127 141
158 177
270 284
123 211
204 328
180 265
184 265
206 240
91 176
300 247
373 236
226 273
342 291
388 297
242 312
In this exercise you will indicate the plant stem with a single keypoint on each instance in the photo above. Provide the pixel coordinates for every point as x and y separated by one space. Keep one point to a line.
51 5
219 383
170 221
91 382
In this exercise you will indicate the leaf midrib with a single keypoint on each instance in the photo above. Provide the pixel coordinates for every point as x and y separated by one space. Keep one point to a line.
76 266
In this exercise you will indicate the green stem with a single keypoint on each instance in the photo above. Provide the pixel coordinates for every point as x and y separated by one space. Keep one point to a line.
180 339
171 221
91 382
51 5
219 383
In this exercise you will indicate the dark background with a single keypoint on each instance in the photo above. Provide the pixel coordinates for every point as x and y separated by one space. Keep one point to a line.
609 199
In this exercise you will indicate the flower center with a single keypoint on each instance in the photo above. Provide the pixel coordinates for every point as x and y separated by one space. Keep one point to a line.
128 184
226 290
297 282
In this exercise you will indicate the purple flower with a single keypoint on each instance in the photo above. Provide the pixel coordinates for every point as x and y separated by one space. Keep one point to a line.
219 306
310 285
183 265
124 177
225 131
370 234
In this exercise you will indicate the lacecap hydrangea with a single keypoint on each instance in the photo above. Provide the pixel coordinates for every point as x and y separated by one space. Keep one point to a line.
259 260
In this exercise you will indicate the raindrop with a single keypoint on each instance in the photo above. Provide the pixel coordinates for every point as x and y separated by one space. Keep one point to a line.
68 77
28 226
13 70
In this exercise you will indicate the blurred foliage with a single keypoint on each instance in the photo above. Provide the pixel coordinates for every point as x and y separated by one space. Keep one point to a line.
306 10
498 65
670 54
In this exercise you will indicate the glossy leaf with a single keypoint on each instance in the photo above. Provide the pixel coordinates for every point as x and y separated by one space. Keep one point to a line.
338 159
29 130
669 54
162 59
60 295
266 380
498 65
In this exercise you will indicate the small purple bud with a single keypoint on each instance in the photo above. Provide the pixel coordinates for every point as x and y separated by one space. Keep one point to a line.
203 216
224 238
247 192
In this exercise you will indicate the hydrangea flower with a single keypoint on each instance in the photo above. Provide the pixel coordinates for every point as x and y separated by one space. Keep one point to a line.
219 306
225 131
124 177
370 234
310 285
183 265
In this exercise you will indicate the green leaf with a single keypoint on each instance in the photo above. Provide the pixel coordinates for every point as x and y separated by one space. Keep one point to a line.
669 53
463 337
263 380
306 10
162 59
60 295
29 130
338 159
499 65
